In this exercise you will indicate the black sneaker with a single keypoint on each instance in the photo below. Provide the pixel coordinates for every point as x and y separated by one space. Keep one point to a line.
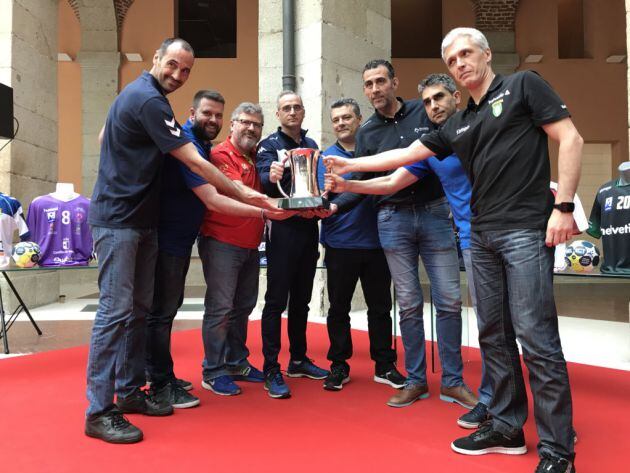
174 395
551 464
487 440
186 385
474 418
112 427
336 379
141 402
391 377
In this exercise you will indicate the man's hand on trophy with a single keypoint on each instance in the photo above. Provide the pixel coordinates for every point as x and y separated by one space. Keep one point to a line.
279 214
276 171
337 164
334 183
252 197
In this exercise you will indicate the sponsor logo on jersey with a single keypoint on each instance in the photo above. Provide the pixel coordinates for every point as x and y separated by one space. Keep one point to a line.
616 230
172 127
422 129
461 130
604 189
608 204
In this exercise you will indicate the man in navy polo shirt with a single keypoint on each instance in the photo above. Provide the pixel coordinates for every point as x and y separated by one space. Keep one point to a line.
139 131
353 253
292 254
502 140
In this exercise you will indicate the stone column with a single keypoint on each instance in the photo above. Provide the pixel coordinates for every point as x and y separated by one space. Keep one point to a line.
99 81
28 166
99 59
496 19
334 40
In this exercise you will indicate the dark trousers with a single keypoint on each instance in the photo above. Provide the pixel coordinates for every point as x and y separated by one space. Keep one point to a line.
170 279
344 268
291 262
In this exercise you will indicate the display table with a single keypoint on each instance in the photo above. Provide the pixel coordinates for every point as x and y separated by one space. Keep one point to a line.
7 321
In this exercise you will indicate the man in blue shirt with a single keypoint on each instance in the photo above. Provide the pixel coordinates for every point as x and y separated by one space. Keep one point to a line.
353 252
292 253
140 130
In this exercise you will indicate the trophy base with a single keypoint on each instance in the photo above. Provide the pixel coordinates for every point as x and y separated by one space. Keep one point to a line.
303 203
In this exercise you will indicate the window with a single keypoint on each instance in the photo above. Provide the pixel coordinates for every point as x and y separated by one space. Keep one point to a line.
570 29
208 25
416 28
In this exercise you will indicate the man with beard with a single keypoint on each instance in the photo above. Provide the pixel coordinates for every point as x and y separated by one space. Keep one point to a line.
228 248
184 199
139 132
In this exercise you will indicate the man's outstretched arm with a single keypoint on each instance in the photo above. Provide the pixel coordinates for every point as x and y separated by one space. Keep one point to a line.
383 185
385 161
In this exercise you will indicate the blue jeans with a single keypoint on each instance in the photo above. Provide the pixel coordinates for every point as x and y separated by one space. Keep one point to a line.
485 388
407 233
126 260
513 271
231 275
168 296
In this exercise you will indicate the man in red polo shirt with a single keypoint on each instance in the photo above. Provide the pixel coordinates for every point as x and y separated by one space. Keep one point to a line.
228 248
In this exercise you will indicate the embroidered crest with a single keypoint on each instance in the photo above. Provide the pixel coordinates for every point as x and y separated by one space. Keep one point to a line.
497 108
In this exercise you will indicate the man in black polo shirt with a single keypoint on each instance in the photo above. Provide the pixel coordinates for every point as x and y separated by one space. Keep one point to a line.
501 139
140 129
413 223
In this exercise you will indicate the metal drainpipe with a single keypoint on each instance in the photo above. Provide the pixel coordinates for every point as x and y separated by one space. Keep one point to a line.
288 45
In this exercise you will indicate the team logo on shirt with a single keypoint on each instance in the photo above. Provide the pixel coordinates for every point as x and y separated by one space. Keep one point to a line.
608 204
172 127
497 108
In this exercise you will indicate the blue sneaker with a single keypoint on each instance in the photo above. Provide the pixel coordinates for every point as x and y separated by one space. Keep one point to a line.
274 383
221 385
306 368
249 374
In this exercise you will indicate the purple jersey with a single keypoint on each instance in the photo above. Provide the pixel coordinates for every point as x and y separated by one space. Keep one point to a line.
61 230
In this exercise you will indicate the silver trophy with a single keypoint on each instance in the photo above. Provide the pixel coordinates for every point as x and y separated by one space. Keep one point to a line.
305 191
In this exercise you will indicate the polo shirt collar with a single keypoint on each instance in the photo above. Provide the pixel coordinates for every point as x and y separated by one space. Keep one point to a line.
233 149
302 135
494 85
399 114
153 81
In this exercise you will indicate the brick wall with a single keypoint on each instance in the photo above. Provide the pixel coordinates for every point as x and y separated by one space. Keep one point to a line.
495 15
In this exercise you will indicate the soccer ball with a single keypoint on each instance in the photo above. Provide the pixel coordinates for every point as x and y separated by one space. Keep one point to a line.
582 256
26 254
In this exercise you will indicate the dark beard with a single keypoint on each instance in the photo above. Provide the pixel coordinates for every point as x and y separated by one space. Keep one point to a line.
201 134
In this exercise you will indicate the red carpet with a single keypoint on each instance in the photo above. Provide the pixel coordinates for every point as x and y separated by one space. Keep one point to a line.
43 400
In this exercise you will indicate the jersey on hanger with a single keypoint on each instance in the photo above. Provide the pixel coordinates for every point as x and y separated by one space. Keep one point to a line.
610 221
61 230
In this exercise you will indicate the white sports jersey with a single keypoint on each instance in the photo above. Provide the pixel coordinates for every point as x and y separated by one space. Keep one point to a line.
11 219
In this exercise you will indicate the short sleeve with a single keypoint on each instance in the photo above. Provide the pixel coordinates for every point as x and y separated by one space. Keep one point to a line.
594 221
544 104
436 141
419 169
157 117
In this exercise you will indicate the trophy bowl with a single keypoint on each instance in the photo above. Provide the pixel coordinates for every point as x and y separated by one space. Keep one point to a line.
305 192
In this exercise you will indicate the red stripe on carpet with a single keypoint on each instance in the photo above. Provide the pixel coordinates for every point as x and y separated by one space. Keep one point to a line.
43 403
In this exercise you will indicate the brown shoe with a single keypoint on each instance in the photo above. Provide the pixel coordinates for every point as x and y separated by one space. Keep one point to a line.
462 395
409 394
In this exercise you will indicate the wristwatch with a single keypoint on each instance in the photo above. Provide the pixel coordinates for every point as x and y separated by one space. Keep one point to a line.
565 207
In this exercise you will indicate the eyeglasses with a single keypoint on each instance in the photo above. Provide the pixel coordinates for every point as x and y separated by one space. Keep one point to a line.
249 123
296 108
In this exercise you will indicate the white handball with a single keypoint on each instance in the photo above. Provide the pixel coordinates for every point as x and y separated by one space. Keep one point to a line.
582 256
26 254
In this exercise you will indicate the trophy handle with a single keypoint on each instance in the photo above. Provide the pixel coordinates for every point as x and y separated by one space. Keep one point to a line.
282 190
